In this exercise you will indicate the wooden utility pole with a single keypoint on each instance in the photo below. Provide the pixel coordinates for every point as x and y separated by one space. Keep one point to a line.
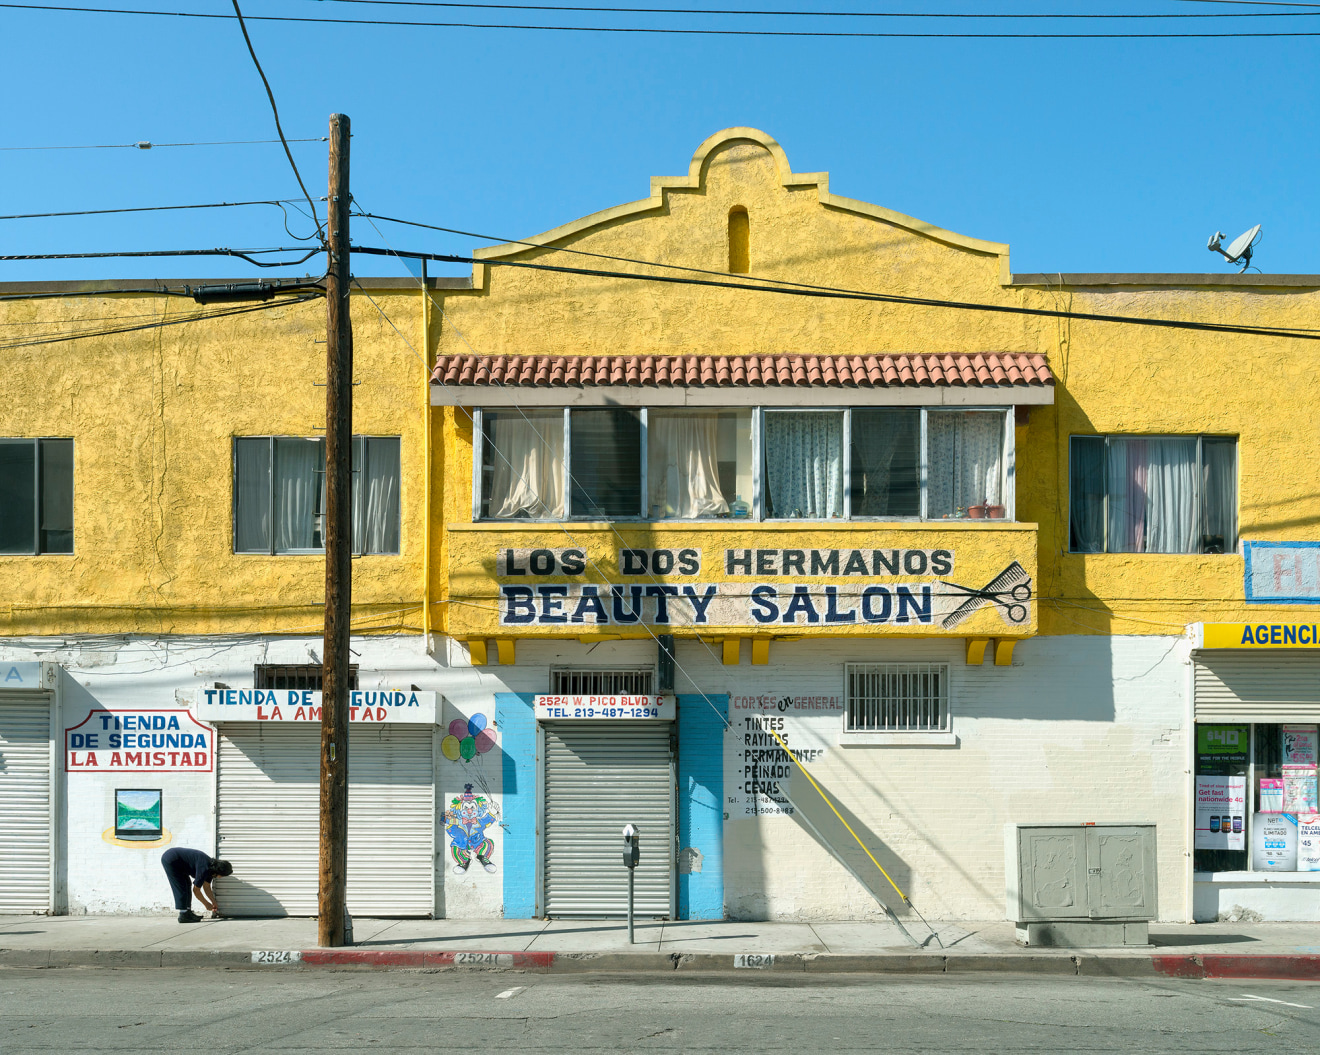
338 551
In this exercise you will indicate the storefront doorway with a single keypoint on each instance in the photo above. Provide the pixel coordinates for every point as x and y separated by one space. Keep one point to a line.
26 818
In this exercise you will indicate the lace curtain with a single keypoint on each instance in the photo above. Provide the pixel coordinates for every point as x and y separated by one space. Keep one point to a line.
965 454
804 464
683 466
299 495
376 495
252 495
527 463
1152 495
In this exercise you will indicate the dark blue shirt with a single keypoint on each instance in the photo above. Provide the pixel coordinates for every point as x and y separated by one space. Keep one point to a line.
198 863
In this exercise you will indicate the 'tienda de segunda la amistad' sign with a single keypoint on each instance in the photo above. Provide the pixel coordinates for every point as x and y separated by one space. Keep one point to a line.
167 741
303 705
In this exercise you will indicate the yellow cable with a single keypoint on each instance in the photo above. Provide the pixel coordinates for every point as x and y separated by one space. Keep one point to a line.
837 814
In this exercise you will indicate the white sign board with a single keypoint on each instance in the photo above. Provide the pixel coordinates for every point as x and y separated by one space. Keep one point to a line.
303 705
607 708
1308 844
1274 842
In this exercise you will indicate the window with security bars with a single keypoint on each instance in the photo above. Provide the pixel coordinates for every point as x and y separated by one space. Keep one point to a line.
296 676
602 682
897 697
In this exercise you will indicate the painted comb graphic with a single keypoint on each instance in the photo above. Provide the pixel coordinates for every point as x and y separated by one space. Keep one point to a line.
1010 590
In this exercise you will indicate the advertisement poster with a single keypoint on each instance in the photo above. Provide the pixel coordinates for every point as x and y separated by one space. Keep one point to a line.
1220 809
1299 791
1271 794
1220 744
1308 844
1274 842
1300 745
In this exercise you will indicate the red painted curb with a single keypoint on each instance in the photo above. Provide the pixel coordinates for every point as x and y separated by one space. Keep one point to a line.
422 958
1227 965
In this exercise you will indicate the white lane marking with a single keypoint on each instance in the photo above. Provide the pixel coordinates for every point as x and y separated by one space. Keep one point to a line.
510 992
1270 1000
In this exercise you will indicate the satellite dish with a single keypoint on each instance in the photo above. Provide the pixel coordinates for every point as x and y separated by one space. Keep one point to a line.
1239 249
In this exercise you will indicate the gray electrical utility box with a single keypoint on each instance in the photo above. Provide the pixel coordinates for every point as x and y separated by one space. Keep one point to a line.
1081 884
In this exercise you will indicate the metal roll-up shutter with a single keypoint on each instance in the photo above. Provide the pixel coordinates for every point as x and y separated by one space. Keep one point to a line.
268 821
1275 686
25 821
598 778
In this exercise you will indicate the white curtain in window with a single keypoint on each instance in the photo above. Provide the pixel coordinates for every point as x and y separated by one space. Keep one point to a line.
376 495
804 464
528 462
1152 495
876 436
252 495
299 466
683 470
965 453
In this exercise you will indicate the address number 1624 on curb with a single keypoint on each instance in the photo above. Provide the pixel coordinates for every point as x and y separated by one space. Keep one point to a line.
753 959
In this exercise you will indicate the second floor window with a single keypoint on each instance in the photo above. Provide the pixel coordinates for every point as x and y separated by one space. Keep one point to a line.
36 496
279 494
693 464
1153 494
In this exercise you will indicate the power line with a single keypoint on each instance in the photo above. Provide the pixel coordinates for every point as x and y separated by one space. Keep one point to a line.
242 254
666 30
275 110
146 208
177 321
144 144
884 298
1003 16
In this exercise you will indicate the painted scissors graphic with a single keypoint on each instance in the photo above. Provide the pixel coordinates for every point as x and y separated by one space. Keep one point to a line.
1010 590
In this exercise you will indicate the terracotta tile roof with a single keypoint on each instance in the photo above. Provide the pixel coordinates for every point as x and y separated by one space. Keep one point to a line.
659 371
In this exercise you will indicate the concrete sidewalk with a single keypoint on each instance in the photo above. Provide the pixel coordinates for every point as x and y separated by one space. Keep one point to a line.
1264 950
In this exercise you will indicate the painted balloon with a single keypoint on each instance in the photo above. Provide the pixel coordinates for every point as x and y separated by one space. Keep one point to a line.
467 747
475 724
485 741
458 728
449 746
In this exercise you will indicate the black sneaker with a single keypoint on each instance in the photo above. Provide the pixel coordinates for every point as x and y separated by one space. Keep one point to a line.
189 917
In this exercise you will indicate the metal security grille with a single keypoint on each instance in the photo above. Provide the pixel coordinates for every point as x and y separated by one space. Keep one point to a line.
602 682
269 826
25 819
898 697
599 777
296 676
1279 686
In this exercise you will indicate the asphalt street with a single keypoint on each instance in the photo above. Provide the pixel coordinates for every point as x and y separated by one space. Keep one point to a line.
222 1012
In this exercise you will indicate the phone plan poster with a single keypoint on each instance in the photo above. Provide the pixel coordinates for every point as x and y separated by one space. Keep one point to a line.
1308 844
1271 794
1220 808
1299 790
1274 842
1300 745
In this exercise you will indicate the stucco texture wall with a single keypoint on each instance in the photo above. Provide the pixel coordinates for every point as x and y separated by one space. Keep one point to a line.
153 414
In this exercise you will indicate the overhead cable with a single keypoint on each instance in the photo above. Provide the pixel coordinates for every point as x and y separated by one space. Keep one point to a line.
147 208
146 144
841 294
663 30
243 254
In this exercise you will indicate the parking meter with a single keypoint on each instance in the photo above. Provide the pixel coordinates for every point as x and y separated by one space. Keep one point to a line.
632 849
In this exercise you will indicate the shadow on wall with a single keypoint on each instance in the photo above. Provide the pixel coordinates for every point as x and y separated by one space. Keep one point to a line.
814 818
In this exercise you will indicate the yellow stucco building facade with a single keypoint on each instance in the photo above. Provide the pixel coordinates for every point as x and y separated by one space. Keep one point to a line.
658 513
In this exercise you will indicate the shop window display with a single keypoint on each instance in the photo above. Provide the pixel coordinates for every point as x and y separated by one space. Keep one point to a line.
1256 798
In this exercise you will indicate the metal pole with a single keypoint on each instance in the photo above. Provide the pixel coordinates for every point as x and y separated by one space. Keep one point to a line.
631 873
332 900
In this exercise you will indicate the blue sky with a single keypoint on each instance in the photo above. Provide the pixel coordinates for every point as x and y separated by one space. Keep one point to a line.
1083 155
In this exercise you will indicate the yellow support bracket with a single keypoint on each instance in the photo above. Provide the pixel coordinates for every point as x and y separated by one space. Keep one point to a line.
504 646
976 650
1004 651
732 646
760 651
477 652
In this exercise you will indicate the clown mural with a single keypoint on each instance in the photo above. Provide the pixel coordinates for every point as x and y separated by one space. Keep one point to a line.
467 819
